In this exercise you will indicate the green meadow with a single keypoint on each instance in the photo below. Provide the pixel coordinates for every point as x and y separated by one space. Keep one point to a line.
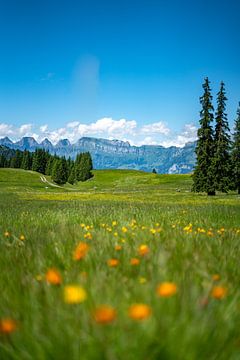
188 240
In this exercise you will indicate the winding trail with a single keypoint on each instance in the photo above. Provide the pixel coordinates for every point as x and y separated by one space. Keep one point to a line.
45 181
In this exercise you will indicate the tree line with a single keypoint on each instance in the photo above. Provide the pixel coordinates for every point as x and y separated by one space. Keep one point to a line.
217 152
60 169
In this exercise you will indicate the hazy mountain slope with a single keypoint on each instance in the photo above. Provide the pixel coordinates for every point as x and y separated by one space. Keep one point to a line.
116 154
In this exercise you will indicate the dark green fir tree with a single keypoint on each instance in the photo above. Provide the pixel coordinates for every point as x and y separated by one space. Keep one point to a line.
72 176
59 173
26 160
39 163
16 160
236 153
221 164
203 176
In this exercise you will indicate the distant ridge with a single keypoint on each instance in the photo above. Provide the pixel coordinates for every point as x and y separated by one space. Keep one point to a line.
117 154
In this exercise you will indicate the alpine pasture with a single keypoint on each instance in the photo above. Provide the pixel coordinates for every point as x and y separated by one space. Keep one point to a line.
127 265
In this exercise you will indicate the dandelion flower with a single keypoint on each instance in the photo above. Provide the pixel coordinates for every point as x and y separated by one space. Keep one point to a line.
74 294
153 231
218 292
81 251
22 237
113 262
139 311
166 289
7 234
143 250
7 326
53 277
105 314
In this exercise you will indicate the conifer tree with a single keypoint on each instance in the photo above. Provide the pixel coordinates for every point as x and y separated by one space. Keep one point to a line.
2 161
39 161
203 176
16 160
72 176
59 174
49 165
26 160
78 167
221 161
236 153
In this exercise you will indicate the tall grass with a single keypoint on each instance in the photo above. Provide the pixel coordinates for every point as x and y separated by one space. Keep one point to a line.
193 242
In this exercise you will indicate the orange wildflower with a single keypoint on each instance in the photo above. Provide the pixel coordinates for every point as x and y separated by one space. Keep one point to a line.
139 311
218 292
134 261
105 314
53 277
7 326
113 262
118 247
166 289
81 251
215 277
143 250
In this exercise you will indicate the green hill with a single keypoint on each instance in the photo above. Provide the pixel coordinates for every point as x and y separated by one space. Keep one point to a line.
103 180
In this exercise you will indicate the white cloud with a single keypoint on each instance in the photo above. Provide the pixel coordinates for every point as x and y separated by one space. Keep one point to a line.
73 124
109 127
155 128
43 128
157 133
6 130
188 134
25 130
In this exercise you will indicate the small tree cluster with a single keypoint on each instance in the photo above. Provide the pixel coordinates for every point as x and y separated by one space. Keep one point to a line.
217 158
60 169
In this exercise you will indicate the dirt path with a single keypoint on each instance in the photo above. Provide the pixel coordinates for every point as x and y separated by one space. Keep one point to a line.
45 181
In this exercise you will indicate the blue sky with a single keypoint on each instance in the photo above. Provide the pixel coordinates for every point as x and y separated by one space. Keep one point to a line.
119 69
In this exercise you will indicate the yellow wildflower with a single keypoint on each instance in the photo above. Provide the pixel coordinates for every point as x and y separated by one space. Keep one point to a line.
74 294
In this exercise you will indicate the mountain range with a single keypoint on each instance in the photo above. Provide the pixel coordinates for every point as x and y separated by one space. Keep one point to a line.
117 154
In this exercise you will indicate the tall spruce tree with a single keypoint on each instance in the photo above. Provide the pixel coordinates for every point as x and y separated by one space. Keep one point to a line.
16 160
78 167
26 160
203 176
39 161
59 172
236 153
221 164
72 176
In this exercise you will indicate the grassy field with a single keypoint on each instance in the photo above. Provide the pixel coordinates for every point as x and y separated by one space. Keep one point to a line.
144 239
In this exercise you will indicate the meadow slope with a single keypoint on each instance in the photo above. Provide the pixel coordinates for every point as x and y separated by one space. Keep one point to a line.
188 240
